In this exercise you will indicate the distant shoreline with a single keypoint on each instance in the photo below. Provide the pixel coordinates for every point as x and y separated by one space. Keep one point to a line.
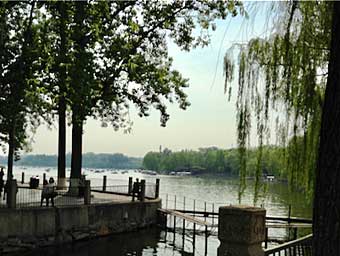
90 160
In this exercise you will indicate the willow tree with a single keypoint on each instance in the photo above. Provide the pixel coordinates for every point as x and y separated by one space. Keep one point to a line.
301 71
281 80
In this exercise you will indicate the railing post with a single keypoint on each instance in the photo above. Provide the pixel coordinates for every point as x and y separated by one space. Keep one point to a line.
130 186
241 231
213 215
157 188
142 190
12 189
104 183
44 178
87 192
22 178
194 208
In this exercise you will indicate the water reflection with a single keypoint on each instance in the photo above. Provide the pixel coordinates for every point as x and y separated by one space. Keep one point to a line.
144 242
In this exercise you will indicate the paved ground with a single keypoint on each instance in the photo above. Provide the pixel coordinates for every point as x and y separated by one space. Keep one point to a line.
32 198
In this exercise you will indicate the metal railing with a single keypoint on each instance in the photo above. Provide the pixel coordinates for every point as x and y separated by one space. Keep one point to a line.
34 198
116 189
298 247
26 195
150 191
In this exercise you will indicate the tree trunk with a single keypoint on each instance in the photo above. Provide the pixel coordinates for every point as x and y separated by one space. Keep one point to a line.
76 158
326 219
62 143
62 91
10 155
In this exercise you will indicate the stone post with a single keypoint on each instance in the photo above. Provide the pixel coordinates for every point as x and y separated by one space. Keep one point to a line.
12 193
142 190
87 192
22 178
130 186
104 183
157 188
241 231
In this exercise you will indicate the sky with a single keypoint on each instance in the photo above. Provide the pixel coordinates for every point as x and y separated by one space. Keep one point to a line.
209 121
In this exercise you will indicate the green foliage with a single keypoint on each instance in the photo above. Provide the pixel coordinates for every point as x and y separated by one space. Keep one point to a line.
21 102
95 59
105 56
282 78
217 161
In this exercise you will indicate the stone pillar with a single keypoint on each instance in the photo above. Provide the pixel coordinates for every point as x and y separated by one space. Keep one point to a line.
241 230
130 186
157 188
142 190
104 183
12 193
87 192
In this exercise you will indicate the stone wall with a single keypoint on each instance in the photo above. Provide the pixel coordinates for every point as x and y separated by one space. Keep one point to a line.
32 227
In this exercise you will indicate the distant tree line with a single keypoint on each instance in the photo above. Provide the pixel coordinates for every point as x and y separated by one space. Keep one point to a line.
90 160
216 161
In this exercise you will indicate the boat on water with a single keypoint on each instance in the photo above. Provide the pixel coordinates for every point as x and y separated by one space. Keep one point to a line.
186 173
270 178
148 172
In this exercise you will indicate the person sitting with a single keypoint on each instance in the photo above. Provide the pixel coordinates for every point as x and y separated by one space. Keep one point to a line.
48 193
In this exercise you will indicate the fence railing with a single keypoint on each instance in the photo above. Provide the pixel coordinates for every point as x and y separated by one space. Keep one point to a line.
298 247
149 190
24 195
34 198
117 189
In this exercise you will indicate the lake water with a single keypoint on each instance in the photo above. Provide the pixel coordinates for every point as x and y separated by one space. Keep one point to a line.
185 192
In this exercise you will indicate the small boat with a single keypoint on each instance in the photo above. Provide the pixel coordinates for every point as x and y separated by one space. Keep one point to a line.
270 177
149 172
183 173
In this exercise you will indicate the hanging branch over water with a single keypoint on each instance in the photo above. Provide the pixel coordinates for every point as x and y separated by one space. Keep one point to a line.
282 78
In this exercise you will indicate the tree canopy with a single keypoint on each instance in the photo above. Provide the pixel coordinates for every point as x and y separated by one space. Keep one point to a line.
95 59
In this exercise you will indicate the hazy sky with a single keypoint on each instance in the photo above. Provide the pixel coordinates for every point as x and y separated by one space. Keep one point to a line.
209 121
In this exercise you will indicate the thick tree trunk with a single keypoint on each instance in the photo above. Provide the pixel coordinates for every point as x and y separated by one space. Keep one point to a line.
62 144
76 158
326 219
62 90
10 155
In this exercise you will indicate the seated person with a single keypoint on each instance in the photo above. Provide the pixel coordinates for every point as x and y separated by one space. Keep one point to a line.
48 192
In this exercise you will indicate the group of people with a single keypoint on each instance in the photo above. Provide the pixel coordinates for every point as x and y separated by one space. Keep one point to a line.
48 192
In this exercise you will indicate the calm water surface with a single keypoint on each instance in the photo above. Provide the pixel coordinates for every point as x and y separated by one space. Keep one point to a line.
183 192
